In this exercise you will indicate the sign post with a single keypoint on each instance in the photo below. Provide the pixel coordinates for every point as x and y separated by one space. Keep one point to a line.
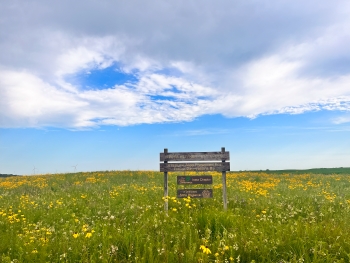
166 184
224 195
185 162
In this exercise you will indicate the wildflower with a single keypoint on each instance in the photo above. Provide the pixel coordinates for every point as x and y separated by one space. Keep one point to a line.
85 227
205 249
231 258
88 235
216 254
225 247
75 235
44 240
35 251
174 209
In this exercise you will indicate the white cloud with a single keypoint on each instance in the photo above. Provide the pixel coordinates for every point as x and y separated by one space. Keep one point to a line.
232 58
342 119
274 84
27 101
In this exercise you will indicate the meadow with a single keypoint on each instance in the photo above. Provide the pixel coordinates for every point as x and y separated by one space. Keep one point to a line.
118 216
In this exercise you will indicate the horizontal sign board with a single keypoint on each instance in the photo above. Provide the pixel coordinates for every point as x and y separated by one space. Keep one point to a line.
195 193
202 179
171 167
195 156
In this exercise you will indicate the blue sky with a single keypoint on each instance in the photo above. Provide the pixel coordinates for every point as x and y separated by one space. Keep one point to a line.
108 85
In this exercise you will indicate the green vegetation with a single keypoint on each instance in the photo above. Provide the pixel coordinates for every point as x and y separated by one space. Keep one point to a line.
6 175
118 216
339 170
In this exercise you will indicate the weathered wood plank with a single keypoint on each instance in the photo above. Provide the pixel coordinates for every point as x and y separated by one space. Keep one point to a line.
201 179
195 193
195 156
172 167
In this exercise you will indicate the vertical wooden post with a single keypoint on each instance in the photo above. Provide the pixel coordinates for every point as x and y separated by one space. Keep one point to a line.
224 195
165 184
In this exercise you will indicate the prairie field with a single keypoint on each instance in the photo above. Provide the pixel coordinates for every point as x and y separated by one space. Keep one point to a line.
118 216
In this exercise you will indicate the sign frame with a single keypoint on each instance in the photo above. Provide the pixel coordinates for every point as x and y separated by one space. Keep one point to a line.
189 165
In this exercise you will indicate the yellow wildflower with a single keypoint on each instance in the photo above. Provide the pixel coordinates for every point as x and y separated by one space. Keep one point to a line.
205 249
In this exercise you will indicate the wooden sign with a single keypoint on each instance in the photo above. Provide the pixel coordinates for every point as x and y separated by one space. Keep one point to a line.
171 167
202 179
194 156
195 193
186 162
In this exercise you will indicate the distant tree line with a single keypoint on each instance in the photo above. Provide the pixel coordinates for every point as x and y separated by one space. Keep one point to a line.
7 175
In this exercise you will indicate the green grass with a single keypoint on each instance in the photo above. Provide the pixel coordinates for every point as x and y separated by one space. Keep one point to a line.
119 216
339 170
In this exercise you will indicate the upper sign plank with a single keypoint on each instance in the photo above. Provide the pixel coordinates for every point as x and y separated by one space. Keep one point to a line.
194 156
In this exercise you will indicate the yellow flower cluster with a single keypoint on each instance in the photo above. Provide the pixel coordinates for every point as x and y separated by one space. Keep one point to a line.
18 181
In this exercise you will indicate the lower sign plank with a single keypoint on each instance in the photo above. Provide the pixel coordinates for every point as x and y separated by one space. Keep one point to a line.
201 179
195 193
171 167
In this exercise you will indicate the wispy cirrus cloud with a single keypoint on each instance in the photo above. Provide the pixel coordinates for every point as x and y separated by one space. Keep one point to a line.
342 119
